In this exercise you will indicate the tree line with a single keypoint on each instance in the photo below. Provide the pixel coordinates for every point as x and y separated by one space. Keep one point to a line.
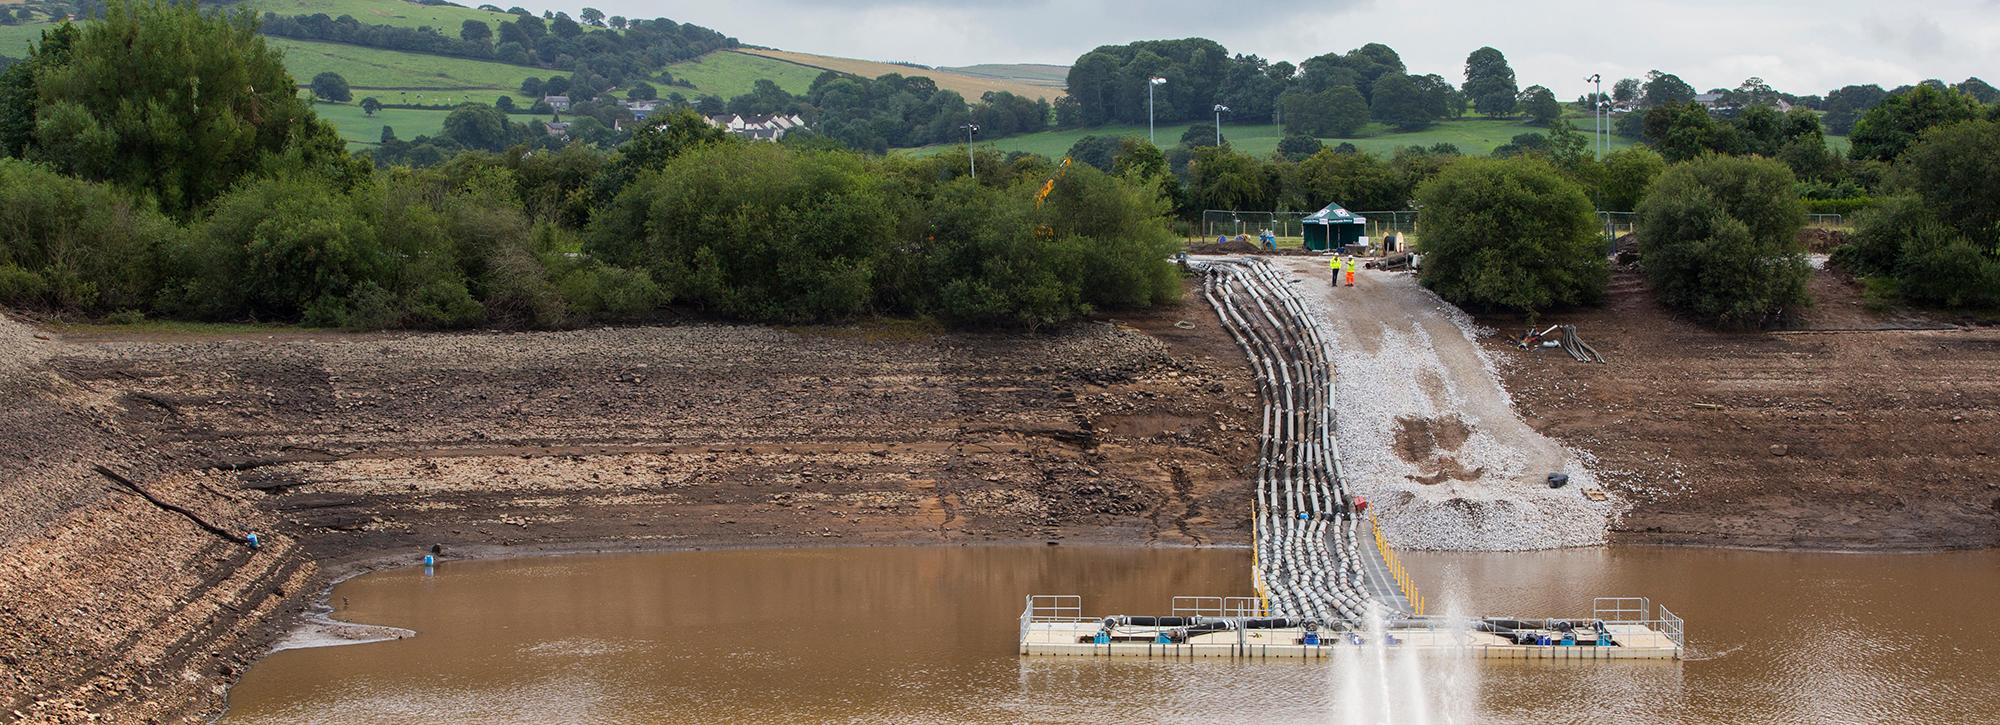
246 207
597 58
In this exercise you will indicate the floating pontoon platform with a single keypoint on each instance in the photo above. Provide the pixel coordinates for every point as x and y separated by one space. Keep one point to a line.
1236 627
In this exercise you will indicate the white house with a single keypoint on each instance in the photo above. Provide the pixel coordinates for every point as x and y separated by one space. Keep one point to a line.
757 128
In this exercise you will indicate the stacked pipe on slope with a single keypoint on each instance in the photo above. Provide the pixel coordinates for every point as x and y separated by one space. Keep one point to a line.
1300 494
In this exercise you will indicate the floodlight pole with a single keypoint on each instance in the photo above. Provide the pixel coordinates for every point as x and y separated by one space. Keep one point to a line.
971 161
1152 82
1597 113
1219 110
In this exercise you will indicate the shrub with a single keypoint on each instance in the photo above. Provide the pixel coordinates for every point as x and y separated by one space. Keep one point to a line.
1510 233
1947 270
754 231
88 247
1718 239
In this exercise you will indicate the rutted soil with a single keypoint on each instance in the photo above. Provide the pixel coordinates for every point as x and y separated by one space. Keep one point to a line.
1850 434
348 451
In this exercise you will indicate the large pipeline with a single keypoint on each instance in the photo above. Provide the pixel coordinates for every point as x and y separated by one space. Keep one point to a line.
1300 493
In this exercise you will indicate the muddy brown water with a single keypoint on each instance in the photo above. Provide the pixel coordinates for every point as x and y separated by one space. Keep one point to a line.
927 635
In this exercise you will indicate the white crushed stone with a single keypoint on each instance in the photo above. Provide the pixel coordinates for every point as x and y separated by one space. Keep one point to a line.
1509 507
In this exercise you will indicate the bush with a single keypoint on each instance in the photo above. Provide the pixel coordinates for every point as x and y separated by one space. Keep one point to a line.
1876 247
1947 270
754 231
75 245
1510 233
601 292
1718 239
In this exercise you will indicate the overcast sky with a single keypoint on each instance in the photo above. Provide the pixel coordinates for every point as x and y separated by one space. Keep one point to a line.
1799 46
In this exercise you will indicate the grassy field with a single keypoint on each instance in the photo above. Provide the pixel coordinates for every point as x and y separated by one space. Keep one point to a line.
1472 136
1040 74
14 39
374 68
970 86
360 128
446 18
728 73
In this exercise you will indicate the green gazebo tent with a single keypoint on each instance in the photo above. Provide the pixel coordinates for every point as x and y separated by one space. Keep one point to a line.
1332 228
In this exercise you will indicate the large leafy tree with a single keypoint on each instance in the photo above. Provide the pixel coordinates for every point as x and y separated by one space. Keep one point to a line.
1510 233
1665 89
1339 111
330 86
1356 181
478 126
1541 105
1489 82
174 101
1718 238
1892 125
1956 169
1845 105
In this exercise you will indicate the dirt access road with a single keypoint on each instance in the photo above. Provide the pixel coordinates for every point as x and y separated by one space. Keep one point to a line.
1427 432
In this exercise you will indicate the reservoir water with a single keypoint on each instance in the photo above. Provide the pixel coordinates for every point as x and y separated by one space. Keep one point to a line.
928 635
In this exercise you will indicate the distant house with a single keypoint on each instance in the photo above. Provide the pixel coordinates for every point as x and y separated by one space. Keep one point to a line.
557 103
1711 101
558 129
757 128
641 109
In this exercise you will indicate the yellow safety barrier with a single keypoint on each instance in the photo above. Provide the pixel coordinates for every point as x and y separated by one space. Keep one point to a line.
1396 570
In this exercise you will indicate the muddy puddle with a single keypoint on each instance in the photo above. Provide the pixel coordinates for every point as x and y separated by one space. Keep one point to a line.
927 635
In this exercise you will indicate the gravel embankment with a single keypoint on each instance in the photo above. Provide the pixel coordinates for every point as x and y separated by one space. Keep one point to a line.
1428 433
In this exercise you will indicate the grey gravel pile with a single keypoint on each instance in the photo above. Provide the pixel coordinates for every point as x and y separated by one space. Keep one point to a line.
1506 506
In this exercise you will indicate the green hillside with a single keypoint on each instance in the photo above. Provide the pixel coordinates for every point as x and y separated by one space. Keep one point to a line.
360 128
446 18
1471 136
14 39
375 68
725 73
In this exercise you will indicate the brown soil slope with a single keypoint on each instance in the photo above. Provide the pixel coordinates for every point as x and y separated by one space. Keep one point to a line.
342 449
110 601
1859 440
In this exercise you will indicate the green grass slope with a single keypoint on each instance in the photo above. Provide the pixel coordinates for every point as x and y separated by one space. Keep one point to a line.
728 73
401 13
360 129
375 68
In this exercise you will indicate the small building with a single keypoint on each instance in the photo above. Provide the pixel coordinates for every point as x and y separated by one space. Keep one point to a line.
640 110
558 129
757 128
558 104
1333 228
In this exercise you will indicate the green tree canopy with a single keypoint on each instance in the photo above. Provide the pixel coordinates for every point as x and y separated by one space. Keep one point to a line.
1489 82
1627 173
1338 111
1355 181
753 231
1886 130
173 101
1298 147
1718 239
475 31
1510 233
477 126
329 86
1541 105
1956 169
